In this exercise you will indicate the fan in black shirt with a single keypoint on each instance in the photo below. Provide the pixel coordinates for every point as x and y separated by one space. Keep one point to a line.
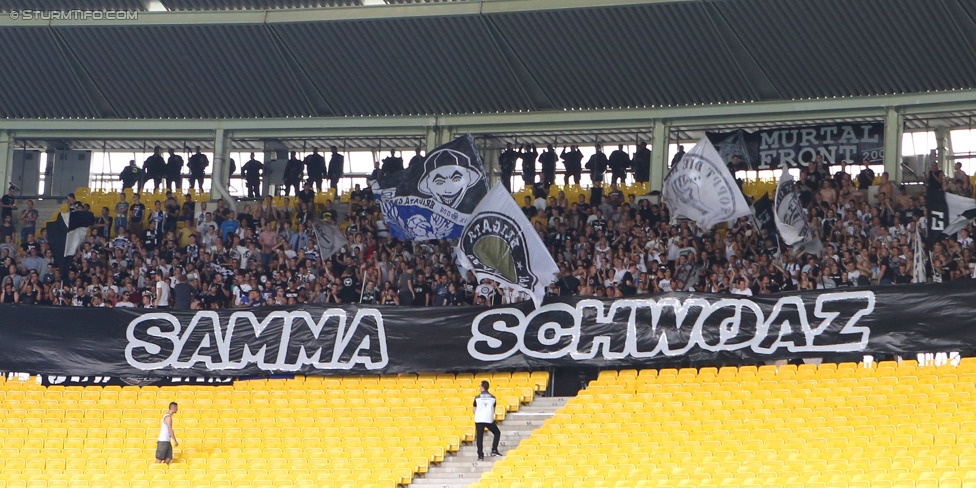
349 293
865 178
599 225
420 291
573 162
392 164
307 196
370 294
416 160
626 285
568 284
548 161
292 293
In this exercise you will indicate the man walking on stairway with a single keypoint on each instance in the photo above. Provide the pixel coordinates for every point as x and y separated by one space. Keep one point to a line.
484 418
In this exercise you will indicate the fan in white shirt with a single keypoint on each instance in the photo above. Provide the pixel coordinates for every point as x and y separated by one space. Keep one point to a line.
963 239
741 288
162 293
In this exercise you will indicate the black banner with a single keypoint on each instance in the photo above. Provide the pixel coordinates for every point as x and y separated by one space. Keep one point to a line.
62 380
647 331
795 146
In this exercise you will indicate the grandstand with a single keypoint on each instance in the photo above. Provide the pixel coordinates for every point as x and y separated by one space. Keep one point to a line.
290 373
890 424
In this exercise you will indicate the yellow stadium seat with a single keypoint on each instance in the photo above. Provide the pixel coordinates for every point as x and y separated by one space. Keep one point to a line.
836 415
116 426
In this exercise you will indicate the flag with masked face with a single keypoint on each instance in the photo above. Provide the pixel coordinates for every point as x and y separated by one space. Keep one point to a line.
700 188
499 243
434 200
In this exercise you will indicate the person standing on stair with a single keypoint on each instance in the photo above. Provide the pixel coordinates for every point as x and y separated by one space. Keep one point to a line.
484 418
167 439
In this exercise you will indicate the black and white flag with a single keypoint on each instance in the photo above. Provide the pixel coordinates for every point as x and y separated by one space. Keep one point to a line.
947 213
76 225
499 243
700 188
791 221
763 208
434 200
328 239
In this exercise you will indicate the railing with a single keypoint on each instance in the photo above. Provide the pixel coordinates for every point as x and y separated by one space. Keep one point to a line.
237 187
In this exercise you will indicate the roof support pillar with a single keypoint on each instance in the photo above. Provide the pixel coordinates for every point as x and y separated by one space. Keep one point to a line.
50 152
660 143
273 151
489 155
435 136
430 137
6 158
894 128
221 169
943 149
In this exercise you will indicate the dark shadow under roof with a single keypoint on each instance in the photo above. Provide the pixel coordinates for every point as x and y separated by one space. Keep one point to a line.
657 54
191 5
65 5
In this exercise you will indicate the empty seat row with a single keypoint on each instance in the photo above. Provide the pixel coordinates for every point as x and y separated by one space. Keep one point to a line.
891 424
355 431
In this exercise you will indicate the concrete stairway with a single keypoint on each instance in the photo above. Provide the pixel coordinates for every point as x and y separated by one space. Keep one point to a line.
462 468
44 208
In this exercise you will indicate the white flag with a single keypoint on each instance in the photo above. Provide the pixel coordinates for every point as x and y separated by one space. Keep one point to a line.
961 211
499 243
791 222
700 188
328 238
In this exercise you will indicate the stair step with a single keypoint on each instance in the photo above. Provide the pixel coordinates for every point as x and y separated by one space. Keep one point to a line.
460 472
442 483
461 468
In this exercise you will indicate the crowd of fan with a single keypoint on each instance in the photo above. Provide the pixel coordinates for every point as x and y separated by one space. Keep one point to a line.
194 256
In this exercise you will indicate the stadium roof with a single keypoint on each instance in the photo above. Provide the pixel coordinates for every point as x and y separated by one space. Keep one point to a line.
475 57
191 5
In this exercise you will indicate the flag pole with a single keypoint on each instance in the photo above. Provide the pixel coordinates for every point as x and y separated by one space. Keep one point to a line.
363 278
918 274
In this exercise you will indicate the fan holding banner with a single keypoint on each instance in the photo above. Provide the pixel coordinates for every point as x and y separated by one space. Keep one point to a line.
434 200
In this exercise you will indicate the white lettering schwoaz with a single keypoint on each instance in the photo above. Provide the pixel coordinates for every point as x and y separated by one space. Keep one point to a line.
671 327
